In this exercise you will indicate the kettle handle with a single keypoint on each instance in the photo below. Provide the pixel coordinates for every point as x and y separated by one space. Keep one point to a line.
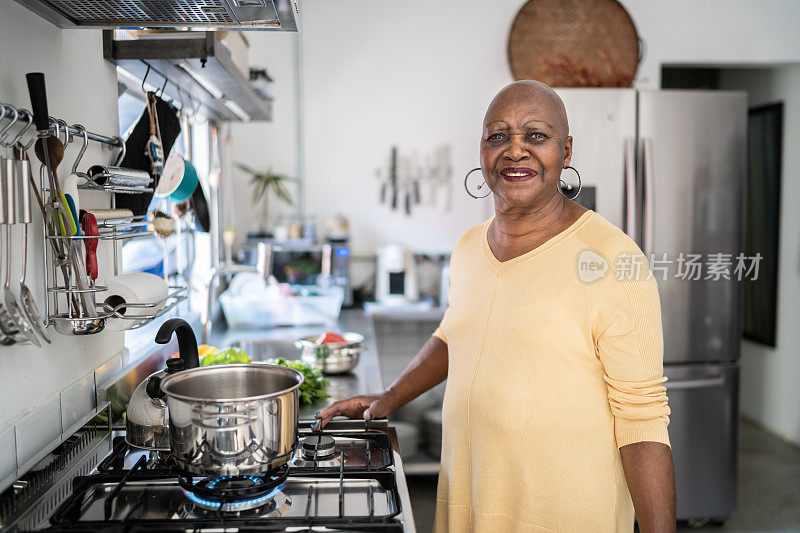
187 342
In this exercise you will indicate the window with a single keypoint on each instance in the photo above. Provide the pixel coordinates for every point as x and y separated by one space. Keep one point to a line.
184 257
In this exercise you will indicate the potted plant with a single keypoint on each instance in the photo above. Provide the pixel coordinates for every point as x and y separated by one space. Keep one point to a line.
264 184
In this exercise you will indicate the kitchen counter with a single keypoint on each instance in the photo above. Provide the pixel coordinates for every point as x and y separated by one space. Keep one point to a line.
365 378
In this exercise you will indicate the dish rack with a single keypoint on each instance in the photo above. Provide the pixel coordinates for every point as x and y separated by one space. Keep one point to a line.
59 271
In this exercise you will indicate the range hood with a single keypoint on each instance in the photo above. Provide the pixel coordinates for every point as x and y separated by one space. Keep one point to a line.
275 15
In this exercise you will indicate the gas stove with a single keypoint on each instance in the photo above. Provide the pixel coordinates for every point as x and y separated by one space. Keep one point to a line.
347 478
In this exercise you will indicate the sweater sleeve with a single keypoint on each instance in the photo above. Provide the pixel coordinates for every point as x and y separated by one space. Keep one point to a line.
439 333
632 353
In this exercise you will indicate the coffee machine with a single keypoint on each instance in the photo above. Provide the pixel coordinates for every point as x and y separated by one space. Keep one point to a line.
396 281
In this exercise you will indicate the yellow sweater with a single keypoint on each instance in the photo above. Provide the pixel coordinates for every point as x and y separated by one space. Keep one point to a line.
550 372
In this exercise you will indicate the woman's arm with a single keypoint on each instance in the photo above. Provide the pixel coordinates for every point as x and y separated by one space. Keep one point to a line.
651 482
425 371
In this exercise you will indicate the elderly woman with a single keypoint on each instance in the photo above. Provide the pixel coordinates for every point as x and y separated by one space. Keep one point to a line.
555 416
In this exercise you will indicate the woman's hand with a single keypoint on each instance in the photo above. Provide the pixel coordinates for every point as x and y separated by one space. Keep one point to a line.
426 370
368 407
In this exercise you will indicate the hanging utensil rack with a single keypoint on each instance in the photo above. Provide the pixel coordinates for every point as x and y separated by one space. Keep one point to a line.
23 114
72 321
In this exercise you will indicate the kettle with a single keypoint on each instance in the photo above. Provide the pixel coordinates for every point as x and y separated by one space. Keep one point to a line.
147 420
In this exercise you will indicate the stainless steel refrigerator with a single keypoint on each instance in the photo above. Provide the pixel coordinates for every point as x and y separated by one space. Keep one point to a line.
668 167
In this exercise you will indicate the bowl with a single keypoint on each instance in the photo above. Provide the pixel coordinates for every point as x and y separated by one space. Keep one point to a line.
188 184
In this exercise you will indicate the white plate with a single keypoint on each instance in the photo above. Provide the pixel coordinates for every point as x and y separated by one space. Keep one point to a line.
171 177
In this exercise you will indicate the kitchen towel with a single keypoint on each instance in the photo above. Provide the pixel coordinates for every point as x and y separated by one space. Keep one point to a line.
135 288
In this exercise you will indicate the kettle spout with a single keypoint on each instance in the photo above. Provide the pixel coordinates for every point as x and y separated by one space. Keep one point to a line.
187 342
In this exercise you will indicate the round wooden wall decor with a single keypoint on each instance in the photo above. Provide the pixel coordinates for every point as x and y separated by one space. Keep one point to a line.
574 43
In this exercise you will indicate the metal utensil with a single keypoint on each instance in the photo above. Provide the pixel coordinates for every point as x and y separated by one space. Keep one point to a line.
332 358
25 295
68 325
8 329
59 257
16 315
50 151
15 312
233 419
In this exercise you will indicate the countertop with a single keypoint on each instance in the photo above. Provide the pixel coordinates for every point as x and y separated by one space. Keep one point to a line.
365 378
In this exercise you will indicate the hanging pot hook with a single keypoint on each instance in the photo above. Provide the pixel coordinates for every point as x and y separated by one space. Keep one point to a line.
26 147
19 135
4 131
122 151
83 147
160 92
67 134
3 108
147 73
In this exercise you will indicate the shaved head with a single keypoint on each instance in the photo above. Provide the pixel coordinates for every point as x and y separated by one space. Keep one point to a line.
523 93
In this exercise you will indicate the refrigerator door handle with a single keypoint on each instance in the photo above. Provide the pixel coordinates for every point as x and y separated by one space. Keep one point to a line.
649 198
706 383
630 189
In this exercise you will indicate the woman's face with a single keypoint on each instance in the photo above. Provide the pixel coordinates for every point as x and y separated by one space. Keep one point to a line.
524 145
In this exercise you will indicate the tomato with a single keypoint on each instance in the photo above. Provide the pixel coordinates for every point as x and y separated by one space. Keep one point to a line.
331 338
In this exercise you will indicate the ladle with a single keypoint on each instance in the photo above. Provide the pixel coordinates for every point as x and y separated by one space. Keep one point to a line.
25 295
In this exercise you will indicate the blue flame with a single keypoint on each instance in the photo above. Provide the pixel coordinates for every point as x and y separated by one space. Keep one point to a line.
236 504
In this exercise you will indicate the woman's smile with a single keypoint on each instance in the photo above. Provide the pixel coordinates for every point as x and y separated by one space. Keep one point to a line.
517 174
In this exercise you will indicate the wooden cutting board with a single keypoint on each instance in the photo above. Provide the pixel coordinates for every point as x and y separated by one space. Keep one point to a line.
574 43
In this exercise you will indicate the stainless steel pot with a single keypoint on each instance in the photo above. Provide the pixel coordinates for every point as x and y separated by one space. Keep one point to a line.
233 419
332 358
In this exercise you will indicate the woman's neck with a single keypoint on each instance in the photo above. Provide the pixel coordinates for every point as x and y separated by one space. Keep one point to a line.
514 232
530 221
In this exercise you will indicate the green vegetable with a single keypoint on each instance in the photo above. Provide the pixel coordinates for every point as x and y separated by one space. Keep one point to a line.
231 355
313 388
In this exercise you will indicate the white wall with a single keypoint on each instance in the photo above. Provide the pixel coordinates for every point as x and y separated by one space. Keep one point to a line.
81 87
770 376
714 32
265 145
418 73
412 74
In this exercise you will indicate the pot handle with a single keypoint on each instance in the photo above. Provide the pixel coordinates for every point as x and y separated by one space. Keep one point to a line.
207 420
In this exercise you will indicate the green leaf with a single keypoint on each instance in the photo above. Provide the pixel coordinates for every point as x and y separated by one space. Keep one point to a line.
313 388
282 193
245 168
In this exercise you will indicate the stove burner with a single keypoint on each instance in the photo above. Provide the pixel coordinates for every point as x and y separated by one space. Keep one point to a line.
238 493
274 503
232 482
318 447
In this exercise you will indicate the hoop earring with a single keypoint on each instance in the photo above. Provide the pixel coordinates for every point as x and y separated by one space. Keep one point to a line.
568 187
479 186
